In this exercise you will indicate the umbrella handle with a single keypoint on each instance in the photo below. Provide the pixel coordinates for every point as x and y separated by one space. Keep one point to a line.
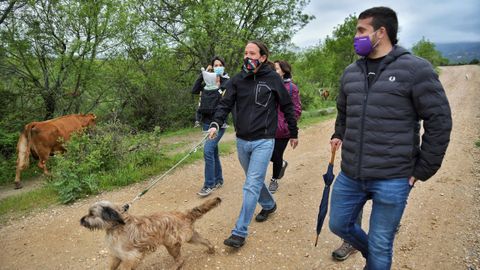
332 158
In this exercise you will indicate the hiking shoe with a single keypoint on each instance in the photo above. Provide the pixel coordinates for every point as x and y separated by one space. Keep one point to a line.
342 253
205 191
263 215
282 170
273 185
234 241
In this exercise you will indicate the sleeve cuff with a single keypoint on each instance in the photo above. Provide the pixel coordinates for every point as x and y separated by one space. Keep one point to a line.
215 125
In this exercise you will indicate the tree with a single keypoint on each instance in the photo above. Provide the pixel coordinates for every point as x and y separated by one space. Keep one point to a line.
52 48
323 65
201 29
426 49
9 7
135 58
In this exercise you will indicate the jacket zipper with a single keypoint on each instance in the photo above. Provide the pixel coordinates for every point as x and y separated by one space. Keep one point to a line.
365 101
253 101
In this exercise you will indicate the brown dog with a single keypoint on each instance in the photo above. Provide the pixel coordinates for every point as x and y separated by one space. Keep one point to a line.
130 238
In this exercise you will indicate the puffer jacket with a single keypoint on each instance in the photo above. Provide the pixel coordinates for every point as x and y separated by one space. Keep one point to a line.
255 97
380 125
282 128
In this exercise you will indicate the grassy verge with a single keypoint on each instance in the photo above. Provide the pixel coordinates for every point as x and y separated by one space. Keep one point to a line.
18 205
132 171
311 120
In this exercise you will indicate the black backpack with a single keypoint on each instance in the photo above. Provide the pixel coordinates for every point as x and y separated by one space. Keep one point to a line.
209 101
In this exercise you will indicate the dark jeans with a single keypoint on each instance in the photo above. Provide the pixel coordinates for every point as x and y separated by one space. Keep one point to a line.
389 198
277 156
213 167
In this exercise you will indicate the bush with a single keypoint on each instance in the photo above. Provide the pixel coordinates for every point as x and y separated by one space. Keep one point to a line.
8 142
106 157
76 172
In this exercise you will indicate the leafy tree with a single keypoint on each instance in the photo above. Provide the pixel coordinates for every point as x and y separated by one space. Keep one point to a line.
321 66
204 28
9 7
168 41
52 47
426 49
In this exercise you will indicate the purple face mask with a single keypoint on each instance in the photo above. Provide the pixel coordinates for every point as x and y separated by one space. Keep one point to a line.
363 45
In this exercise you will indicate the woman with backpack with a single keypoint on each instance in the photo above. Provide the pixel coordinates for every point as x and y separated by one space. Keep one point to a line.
211 85
282 135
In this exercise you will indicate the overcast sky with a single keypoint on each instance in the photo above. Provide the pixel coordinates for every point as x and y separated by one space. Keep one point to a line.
439 21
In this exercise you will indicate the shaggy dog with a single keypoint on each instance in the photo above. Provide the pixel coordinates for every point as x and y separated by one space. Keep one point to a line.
129 238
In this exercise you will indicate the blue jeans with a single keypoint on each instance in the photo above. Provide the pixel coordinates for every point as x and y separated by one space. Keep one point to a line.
389 198
213 167
254 157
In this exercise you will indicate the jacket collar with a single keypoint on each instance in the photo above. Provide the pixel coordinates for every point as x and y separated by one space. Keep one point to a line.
395 53
264 69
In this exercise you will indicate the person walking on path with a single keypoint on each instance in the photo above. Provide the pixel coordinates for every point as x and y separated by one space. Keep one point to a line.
211 90
383 98
255 91
282 135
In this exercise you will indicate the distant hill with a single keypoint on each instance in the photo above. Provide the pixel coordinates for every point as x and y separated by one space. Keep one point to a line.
461 52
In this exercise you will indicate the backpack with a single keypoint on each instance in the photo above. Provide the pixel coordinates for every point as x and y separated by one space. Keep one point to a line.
209 101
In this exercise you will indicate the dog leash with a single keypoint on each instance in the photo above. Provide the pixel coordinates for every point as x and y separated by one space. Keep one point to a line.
193 150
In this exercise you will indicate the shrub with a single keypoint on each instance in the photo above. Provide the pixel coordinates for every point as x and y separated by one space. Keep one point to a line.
76 172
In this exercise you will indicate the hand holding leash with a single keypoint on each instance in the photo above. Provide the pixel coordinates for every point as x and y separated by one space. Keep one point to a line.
212 133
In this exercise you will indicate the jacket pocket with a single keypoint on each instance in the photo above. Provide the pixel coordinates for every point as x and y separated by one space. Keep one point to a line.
263 93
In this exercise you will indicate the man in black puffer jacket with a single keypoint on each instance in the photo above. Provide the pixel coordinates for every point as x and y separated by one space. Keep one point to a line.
383 97
255 92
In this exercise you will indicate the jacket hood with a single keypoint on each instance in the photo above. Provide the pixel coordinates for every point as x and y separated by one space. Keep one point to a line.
395 53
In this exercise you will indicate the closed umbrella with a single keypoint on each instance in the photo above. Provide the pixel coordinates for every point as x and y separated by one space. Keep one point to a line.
322 211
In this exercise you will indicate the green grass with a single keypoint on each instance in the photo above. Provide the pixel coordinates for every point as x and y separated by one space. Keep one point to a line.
477 143
7 171
15 206
311 120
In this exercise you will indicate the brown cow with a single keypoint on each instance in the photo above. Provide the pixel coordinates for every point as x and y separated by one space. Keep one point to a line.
47 137
325 94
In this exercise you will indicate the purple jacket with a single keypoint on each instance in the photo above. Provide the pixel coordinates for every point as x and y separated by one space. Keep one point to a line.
282 127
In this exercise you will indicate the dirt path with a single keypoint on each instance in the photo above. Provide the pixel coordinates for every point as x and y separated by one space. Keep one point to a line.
439 230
